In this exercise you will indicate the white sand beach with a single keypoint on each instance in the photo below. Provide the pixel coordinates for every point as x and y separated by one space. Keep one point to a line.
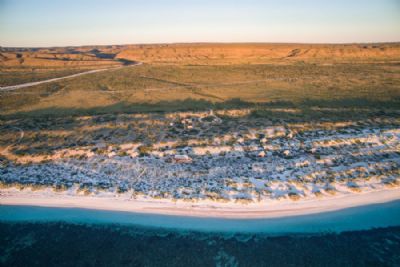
266 209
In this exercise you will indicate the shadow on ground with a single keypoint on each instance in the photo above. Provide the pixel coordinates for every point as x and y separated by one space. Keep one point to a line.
335 107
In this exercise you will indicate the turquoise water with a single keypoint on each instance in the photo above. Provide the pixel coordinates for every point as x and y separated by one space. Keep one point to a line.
351 219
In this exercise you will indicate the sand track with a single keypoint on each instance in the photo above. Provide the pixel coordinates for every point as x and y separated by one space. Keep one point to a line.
24 85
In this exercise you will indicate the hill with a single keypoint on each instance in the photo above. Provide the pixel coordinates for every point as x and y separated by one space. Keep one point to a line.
259 53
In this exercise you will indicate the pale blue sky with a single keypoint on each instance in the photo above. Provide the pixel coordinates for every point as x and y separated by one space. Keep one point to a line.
89 22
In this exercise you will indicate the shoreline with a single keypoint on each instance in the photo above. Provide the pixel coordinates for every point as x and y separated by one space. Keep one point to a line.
202 209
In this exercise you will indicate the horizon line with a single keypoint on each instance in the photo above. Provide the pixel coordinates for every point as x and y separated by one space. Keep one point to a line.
205 42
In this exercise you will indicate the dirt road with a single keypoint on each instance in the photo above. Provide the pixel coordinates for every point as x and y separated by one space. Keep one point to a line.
19 86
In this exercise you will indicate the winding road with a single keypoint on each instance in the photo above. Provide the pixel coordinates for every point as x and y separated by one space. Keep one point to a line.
23 85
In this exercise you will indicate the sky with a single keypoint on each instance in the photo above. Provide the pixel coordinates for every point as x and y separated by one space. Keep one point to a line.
32 23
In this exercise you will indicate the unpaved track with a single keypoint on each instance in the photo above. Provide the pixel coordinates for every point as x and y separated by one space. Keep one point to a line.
19 86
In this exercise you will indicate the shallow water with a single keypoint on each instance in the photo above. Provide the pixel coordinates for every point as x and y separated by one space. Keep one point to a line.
39 236
351 219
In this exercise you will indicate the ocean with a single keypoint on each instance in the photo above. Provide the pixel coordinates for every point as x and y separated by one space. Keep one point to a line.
39 236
